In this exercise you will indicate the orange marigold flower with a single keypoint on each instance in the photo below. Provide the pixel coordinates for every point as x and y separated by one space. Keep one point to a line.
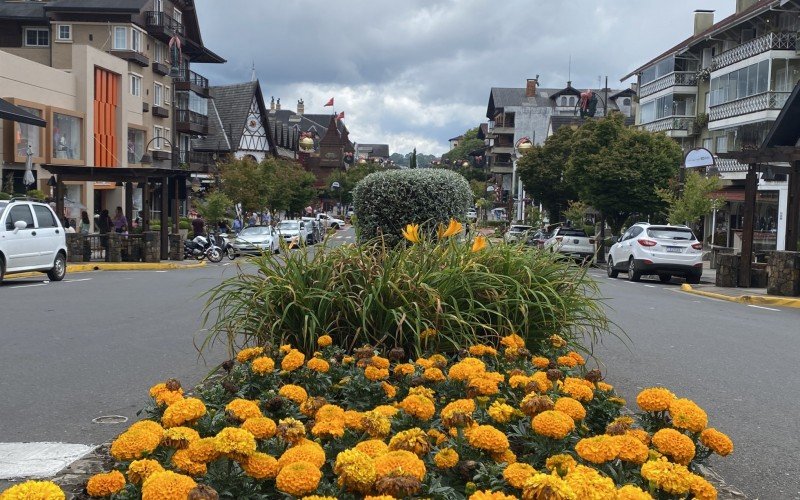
433 375
487 494
325 341
557 341
597 449
262 365
631 449
414 440
561 464
399 463
183 463
425 392
501 412
298 478
185 411
674 444
353 420
466 369
578 388
235 442
547 487
389 390
716 441
141 439
306 451
655 399
404 369
330 429
29 490
203 450
553 424
375 374
631 492
605 387
293 360
672 478
702 489
246 355
105 485
318 365
418 407
179 437
139 470
687 415
588 483
482 350
446 458
567 361
293 392
577 357
513 340
571 407
379 362
372 447
540 362
387 410
164 395
516 475
487 438
376 424
242 409
260 466
167 485
455 408
260 427
639 434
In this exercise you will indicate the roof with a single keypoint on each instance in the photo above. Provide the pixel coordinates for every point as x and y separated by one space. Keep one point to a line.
503 97
458 138
753 10
483 130
16 114
568 90
376 150
558 121
22 10
629 92
134 6
784 131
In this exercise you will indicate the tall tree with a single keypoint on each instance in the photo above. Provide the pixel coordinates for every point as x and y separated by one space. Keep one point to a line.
247 183
348 180
413 162
542 171
688 205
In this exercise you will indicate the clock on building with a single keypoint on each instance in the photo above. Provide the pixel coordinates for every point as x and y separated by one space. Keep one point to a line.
252 125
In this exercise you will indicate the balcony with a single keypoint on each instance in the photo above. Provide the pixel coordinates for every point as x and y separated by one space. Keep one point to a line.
189 122
163 26
160 112
675 79
500 167
767 101
729 165
771 41
500 149
160 68
189 80
133 56
674 126
198 161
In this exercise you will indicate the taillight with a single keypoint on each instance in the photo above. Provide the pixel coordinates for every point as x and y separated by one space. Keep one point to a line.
647 243
697 246
559 238
591 241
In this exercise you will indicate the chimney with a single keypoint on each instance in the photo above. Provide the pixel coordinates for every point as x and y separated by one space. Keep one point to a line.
635 87
278 104
272 103
301 107
704 19
530 88
743 5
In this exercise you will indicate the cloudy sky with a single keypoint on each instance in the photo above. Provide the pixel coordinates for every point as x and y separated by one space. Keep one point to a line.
413 73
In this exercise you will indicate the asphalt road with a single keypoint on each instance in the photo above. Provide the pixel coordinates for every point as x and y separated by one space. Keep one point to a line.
738 362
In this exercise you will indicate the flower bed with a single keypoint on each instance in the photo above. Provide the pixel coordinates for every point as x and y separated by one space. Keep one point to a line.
492 422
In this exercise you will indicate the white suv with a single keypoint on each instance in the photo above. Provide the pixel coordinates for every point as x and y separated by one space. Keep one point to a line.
665 250
31 239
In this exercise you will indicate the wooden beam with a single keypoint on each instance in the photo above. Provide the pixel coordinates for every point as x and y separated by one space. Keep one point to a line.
750 189
164 219
175 218
129 204
146 206
60 200
793 210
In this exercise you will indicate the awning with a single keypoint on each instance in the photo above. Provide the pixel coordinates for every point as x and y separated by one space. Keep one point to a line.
16 114
727 194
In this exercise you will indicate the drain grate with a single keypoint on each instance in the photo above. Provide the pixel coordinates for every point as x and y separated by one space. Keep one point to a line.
110 419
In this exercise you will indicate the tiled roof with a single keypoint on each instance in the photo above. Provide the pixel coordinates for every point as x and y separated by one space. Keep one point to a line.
375 150
21 10
96 5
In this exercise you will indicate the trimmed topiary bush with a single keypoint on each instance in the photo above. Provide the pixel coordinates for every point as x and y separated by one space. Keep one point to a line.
386 201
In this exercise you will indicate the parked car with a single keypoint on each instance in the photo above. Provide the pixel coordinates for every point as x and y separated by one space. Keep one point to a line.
571 242
256 239
498 213
330 221
536 238
516 233
472 215
31 239
316 232
293 232
661 250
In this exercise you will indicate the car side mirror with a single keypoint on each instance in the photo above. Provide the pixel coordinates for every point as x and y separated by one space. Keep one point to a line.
19 225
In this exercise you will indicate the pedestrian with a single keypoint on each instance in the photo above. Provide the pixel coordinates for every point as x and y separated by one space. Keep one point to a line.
266 219
85 225
104 223
70 228
223 226
253 220
198 226
120 221
237 225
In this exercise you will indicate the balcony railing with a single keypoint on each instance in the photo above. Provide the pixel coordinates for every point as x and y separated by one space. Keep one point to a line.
730 165
203 158
677 78
191 122
753 104
670 123
163 24
192 78
770 41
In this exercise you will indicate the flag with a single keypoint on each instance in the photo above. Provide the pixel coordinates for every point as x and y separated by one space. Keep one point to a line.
330 102
340 116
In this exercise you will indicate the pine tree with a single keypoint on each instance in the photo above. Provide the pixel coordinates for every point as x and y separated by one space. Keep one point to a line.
413 163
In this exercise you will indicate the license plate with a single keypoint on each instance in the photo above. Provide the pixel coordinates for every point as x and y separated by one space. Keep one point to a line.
576 241
674 249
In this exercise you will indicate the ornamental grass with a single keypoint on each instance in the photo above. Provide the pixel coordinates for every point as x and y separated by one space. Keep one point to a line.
340 434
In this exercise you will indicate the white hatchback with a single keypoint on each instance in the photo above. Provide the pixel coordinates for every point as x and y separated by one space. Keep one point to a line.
660 250
31 239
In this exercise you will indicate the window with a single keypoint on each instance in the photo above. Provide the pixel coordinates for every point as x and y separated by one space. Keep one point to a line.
167 93
168 137
658 70
27 135
159 52
748 81
707 144
136 40
64 32
44 217
563 101
158 5
17 213
136 85
158 94
177 15
192 102
67 136
120 38
722 144
626 101
37 37
136 140
158 134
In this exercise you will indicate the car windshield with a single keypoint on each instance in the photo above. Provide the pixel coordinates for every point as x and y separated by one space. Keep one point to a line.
288 225
255 231
670 233
2 207
519 229
572 232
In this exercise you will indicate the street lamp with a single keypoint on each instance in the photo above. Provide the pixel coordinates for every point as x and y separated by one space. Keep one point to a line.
521 147
338 187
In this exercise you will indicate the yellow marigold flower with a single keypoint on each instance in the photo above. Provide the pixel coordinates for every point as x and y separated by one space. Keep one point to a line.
411 233
347 360
329 429
242 409
376 424
655 399
318 365
589 484
577 357
352 420
179 437
597 449
674 444
389 390
236 442
557 341
418 407
513 340
183 412
399 463
260 466
452 229
466 369
379 362
672 478
285 348
479 243
356 471
203 450
167 485
547 487
567 361
33 490
325 341
136 442
456 410
716 441
446 458
139 470
246 355
518 381
298 478
389 410
307 451
372 447
317 497
578 388
183 463
491 495
379 497
553 424
483 386
631 492
426 334
414 440
639 434
541 381
105 485
433 375
293 360
687 415
262 365
164 395
376 374
631 449
505 457
260 427
516 475
404 369
293 392
487 438
425 392
702 489
482 350
605 387
436 437
329 412
291 430
561 464
571 407
540 362
501 412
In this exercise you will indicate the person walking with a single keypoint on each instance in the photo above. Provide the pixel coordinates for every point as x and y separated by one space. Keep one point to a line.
237 225
198 225
85 224
120 221
253 219
104 223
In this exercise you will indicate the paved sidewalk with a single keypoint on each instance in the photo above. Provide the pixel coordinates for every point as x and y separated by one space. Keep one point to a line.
749 296
83 267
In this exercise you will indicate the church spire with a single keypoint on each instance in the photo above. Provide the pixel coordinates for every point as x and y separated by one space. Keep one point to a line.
253 73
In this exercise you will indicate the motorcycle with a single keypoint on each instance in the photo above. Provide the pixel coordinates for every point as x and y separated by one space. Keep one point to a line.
200 248
224 243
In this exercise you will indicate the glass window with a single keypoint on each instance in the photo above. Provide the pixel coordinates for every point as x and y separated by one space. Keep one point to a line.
167 92
158 94
763 77
120 38
670 233
708 144
192 102
19 212
158 5
136 85
64 32
67 135
637 230
136 139
44 216
177 15
37 37
27 135
648 112
158 52
168 137
752 79
136 40
563 101
722 144
158 134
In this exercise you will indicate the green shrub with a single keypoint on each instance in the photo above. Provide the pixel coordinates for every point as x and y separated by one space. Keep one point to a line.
380 295
4 196
184 224
36 194
386 201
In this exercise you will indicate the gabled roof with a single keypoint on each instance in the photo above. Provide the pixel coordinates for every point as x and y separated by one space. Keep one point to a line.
629 92
483 130
752 11
568 90
457 138
376 150
23 11
122 6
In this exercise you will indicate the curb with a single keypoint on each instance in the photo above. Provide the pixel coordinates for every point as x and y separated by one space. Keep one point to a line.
766 300
115 266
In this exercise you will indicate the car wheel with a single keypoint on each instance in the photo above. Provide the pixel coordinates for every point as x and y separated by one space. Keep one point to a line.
633 273
335 226
59 269
2 269
693 279
665 278
612 273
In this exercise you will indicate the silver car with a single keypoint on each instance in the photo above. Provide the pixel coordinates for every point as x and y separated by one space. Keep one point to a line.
256 239
516 233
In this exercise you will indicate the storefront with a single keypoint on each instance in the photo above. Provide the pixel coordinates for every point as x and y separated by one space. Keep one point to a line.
769 220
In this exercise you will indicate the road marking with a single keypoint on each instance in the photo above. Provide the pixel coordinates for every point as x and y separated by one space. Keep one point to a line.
32 285
762 307
39 460
77 281
650 286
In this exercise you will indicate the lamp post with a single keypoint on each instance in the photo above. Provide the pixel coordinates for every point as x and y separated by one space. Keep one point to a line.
520 148
338 187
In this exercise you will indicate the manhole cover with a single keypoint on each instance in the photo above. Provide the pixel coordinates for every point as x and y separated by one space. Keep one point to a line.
110 419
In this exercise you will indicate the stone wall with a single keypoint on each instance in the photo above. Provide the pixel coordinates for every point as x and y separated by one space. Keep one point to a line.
152 247
75 251
175 247
728 270
784 274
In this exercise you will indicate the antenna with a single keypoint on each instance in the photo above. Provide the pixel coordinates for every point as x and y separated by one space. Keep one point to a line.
253 74
569 68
